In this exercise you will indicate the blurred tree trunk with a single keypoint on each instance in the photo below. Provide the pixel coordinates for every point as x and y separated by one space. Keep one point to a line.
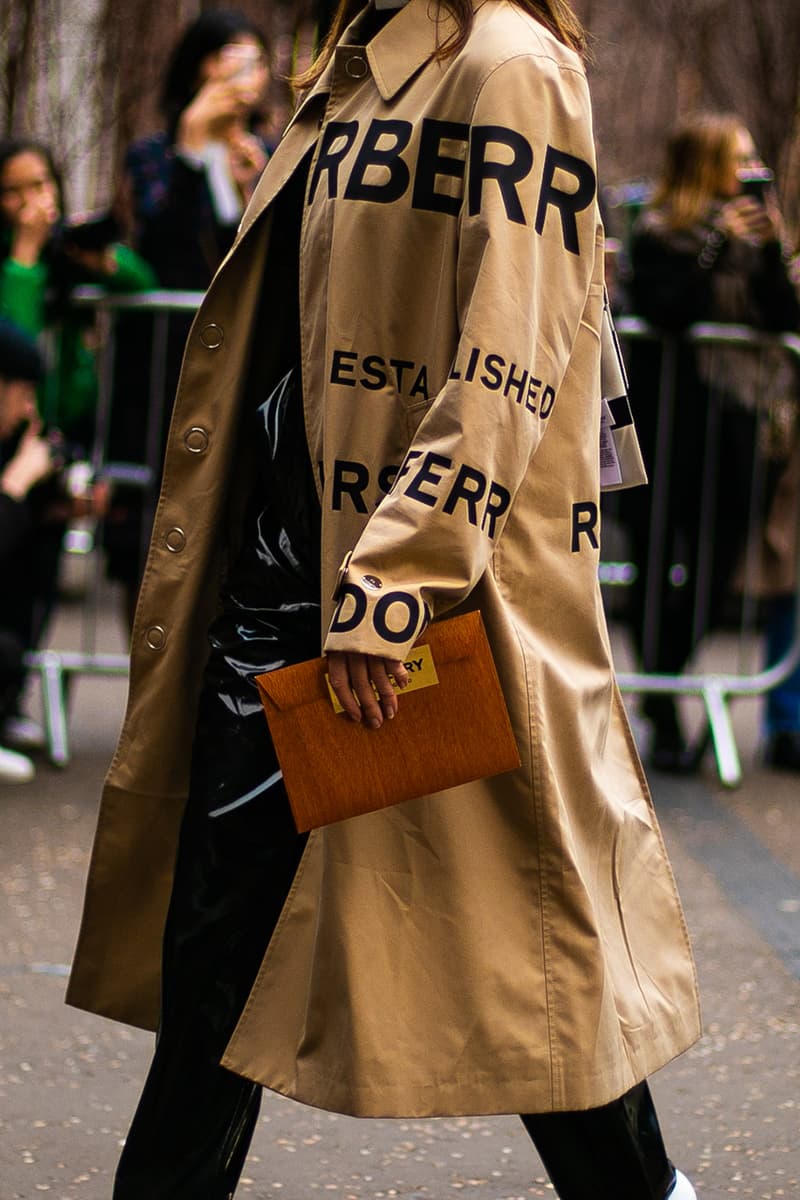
16 30
655 61
84 75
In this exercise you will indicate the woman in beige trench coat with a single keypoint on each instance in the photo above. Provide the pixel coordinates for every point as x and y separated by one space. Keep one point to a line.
408 426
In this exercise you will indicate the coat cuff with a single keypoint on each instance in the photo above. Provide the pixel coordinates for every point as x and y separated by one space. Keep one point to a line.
375 616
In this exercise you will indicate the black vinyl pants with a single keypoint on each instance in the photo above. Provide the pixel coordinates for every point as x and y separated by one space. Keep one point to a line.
236 861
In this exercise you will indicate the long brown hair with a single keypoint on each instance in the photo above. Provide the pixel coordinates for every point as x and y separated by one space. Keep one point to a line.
555 15
700 157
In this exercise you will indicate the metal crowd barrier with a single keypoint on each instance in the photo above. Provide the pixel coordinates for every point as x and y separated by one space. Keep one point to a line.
54 666
715 689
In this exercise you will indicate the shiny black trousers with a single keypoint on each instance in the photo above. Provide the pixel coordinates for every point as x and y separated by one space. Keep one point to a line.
236 861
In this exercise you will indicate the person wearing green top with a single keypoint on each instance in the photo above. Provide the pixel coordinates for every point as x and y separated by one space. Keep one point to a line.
39 266
41 261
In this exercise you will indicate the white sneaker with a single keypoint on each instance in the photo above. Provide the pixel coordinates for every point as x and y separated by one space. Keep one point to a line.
15 768
682 1189
23 733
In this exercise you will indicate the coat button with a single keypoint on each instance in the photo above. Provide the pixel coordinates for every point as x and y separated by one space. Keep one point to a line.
196 440
356 66
212 336
156 637
175 540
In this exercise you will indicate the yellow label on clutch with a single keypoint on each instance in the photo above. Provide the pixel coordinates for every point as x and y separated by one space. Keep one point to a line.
421 674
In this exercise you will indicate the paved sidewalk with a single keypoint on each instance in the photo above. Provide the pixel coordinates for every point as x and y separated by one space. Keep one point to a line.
730 1108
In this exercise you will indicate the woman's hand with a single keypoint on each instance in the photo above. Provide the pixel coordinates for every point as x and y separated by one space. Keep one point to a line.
356 677
749 220
32 462
217 105
32 228
247 160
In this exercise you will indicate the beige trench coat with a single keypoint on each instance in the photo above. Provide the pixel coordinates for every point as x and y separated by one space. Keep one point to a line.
516 945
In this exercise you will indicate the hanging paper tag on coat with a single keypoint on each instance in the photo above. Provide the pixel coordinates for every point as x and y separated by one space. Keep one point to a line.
621 464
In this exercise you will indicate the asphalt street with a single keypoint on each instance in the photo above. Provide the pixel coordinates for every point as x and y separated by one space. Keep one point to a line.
730 1107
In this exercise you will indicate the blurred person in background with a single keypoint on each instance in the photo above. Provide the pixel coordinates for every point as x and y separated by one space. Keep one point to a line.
42 258
187 186
704 249
26 459
183 195
776 576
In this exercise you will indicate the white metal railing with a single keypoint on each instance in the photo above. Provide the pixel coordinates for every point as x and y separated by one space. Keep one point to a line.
715 689
54 666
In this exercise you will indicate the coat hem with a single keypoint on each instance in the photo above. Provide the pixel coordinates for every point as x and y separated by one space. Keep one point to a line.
490 1096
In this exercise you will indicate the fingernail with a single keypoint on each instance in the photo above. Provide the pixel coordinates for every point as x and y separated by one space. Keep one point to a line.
375 722
391 715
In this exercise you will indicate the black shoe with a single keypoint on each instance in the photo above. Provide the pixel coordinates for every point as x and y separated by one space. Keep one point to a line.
783 750
669 749
670 752
675 757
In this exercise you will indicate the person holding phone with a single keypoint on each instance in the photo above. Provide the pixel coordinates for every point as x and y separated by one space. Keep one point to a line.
182 195
185 187
708 247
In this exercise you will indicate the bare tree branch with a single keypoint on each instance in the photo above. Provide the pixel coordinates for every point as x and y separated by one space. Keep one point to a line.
654 61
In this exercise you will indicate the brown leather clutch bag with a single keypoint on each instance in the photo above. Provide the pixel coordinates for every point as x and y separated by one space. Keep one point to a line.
452 727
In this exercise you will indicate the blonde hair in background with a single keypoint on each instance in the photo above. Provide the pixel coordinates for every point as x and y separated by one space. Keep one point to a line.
700 156
555 15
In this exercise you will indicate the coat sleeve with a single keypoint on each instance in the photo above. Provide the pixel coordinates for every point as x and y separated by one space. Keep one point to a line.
22 294
526 252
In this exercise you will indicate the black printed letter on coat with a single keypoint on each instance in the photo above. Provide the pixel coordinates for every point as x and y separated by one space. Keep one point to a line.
507 175
388 158
568 203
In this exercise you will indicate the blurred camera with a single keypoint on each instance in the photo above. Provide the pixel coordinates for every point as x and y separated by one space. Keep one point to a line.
93 231
755 181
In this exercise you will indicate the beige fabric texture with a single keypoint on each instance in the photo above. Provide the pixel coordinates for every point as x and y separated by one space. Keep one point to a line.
515 945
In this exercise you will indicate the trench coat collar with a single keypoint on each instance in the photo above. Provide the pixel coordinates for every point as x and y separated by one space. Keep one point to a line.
406 44
400 49
395 54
